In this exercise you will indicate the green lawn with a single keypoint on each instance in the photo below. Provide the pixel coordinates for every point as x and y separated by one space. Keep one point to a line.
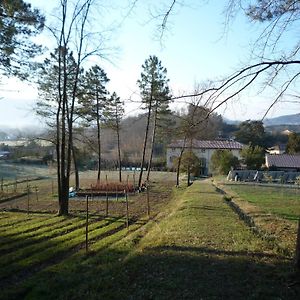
196 248
280 201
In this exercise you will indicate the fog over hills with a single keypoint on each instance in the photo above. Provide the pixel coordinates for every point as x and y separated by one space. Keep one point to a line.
8 132
281 120
284 120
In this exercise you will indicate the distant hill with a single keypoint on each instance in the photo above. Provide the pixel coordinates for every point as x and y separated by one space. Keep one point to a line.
283 120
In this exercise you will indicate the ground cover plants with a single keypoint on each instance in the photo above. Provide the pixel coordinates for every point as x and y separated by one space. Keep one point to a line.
281 201
194 246
271 211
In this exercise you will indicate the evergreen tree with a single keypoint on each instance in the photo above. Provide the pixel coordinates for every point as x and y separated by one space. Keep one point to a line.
94 102
293 145
222 161
114 114
155 92
254 157
60 115
18 21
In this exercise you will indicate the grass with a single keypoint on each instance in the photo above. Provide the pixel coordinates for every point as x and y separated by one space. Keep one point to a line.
280 201
195 248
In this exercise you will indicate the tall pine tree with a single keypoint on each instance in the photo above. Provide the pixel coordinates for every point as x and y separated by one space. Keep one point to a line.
155 94
114 114
94 102
18 21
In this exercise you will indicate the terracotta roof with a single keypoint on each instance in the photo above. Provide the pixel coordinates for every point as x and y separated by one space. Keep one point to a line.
283 160
214 144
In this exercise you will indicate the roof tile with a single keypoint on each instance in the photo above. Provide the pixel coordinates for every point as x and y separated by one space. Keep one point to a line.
209 144
283 160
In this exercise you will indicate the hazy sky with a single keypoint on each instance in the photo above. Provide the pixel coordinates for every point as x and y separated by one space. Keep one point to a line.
194 49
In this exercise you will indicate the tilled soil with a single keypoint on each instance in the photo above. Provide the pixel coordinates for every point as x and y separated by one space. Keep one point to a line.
159 194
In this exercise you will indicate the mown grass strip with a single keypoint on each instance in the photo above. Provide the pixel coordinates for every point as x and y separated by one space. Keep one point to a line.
199 250
38 235
29 225
99 254
57 246
65 234
11 218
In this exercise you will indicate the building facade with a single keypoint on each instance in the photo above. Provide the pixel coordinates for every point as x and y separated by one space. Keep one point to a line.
204 150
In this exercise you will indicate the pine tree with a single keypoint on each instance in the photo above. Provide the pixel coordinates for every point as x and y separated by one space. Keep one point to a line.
94 102
155 96
18 22
58 105
114 114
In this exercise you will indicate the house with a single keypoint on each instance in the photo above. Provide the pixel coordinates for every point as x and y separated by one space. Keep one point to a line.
283 162
203 149
4 154
277 149
286 132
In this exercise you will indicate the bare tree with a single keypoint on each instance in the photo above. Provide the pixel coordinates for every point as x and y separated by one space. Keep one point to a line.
72 38
276 67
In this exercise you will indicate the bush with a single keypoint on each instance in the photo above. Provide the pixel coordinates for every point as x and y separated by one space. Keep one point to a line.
222 161
189 161
253 157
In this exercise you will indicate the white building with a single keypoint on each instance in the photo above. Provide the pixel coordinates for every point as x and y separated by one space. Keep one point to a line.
203 150
277 149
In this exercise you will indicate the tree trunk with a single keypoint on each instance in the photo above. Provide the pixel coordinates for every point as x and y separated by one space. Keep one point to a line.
98 138
64 198
145 143
179 162
63 193
188 176
189 167
77 182
152 142
119 152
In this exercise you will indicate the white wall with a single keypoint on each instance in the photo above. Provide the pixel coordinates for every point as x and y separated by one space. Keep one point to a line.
200 153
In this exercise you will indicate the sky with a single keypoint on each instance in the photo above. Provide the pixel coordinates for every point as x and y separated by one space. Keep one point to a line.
194 49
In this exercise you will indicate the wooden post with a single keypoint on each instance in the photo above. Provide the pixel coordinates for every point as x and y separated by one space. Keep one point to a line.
87 225
134 181
16 185
106 208
127 210
27 199
298 248
148 199
36 193
1 184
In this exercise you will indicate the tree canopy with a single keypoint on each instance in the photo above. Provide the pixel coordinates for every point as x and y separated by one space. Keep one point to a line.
251 132
222 161
253 157
18 21
293 144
